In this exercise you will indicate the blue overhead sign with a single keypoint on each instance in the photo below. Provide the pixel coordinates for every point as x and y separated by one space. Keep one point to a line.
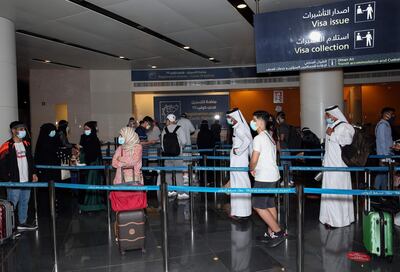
346 33
193 74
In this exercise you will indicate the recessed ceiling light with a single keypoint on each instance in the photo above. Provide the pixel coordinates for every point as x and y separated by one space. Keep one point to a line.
211 58
153 67
241 6
186 47
47 61
121 57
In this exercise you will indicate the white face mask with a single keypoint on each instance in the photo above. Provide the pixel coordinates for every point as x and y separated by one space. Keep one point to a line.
88 132
121 140
52 133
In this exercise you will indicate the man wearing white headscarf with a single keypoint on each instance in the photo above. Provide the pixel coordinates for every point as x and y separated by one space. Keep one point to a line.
336 210
239 157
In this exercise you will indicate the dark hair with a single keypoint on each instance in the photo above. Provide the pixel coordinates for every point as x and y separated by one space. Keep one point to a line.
141 123
132 119
16 124
148 119
184 115
387 109
281 114
265 116
92 125
62 126
204 125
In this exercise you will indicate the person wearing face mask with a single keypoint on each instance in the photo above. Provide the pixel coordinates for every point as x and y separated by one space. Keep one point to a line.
17 165
336 210
91 155
128 155
46 150
239 157
264 169
142 130
384 143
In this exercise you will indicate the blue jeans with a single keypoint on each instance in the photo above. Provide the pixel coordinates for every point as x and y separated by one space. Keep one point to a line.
20 197
381 182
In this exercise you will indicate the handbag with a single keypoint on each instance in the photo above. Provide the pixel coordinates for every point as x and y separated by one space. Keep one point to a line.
128 200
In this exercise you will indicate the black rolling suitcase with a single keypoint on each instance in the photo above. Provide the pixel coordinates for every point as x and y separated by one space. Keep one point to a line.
130 230
7 222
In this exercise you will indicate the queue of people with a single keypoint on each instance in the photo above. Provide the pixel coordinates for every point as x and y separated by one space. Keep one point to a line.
259 154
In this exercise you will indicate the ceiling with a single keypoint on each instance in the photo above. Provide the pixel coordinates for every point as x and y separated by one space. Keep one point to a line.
212 27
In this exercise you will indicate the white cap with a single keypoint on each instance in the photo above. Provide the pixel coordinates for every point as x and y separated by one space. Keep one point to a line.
171 117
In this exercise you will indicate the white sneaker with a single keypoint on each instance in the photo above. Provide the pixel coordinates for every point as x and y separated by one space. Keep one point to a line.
183 196
172 194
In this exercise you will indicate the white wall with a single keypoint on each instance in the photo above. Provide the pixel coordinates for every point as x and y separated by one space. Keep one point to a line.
51 87
111 100
101 95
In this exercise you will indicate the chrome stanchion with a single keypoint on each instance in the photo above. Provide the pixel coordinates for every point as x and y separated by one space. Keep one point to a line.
357 210
190 170
52 197
205 176
108 182
36 207
391 175
164 207
286 176
300 228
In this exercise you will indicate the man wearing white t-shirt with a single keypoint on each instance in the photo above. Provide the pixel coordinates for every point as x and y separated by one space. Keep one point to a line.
16 165
264 168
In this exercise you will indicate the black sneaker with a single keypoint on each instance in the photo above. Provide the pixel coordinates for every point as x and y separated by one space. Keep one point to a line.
266 238
277 239
26 227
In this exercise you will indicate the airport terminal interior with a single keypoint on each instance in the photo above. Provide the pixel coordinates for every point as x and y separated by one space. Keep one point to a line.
199 135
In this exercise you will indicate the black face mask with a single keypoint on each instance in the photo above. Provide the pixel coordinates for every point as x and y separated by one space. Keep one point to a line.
392 119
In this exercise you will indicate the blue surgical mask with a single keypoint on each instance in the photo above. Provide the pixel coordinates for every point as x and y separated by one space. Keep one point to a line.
329 121
88 132
21 134
253 125
121 140
52 133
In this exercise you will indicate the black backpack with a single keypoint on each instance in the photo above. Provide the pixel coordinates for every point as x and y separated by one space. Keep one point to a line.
294 141
171 143
357 153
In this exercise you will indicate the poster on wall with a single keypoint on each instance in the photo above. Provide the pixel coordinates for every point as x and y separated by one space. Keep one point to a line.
197 107
278 97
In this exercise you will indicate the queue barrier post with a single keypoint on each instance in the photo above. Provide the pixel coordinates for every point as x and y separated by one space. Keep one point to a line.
286 177
391 175
205 176
164 207
52 205
190 170
300 228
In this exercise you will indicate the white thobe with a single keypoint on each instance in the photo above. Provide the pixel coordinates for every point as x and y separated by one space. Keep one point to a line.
337 210
240 203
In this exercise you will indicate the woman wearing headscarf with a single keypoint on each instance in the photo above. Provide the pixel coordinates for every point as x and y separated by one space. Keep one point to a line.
128 155
239 157
336 210
91 200
47 147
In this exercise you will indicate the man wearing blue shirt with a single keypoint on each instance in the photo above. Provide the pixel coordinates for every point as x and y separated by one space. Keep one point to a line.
384 142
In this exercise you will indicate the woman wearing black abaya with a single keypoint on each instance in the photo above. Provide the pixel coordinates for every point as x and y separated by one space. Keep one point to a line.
91 155
46 150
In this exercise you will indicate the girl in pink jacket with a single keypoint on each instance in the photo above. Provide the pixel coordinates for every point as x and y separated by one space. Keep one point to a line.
128 155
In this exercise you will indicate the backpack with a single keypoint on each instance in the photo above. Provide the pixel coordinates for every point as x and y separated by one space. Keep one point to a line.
357 153
171 145
310 140
294 141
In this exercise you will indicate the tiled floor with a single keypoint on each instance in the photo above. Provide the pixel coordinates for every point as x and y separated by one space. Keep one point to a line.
85 243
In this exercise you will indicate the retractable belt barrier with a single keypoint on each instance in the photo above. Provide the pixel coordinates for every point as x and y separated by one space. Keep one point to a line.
300 191
202 189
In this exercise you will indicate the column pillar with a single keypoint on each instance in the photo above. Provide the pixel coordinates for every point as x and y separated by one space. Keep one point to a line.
318 90
355 102
8 78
